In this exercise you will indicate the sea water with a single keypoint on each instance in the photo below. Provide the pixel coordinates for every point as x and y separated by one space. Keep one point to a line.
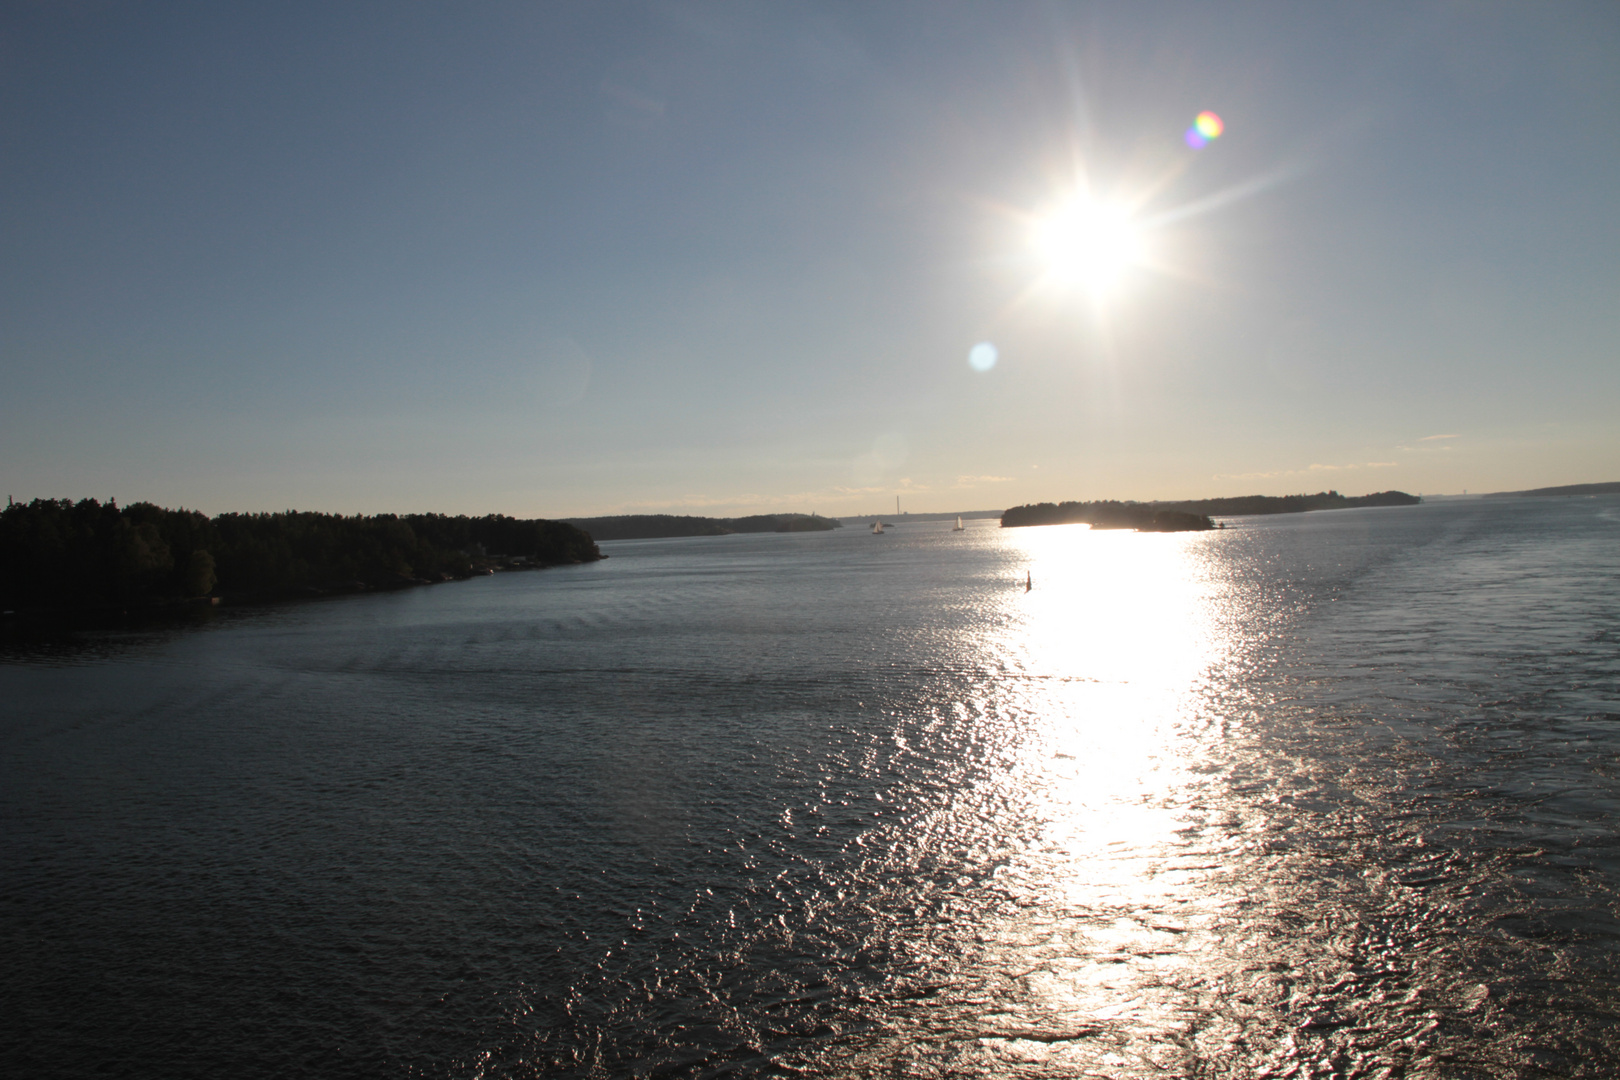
1329 794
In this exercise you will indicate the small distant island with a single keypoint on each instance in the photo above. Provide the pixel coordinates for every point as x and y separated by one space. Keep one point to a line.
1191 515
658 526
58 555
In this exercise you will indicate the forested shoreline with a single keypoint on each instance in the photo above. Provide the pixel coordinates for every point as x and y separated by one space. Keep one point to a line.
1192 514
1288 504
1565 491
56 554
1107 514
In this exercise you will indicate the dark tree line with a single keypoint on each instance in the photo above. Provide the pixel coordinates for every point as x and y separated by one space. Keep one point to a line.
1192 514
58 553
1291 504
1106 515
1565 490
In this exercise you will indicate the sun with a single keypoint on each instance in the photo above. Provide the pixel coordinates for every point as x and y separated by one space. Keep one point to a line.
1088 244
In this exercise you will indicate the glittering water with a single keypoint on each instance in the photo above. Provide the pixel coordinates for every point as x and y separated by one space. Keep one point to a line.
1319 795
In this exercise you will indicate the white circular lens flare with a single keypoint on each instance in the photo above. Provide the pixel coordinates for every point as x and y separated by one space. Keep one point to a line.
1089 244
983 356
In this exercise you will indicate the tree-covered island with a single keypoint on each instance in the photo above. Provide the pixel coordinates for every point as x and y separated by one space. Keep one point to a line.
1143 517
56 554
1190 515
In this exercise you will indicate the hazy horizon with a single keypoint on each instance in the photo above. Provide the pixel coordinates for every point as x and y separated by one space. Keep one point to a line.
579 259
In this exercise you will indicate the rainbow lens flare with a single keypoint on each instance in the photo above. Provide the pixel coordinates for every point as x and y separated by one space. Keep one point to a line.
1206 128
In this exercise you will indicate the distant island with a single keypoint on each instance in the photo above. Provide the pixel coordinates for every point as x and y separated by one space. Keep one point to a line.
56 554
1191 515
657 526
1290 504
1143 517
1566 490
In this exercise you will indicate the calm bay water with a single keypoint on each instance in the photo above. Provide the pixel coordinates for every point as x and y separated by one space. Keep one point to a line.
1318 795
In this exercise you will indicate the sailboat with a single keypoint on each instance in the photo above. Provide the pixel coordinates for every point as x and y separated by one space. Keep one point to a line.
958 526
877 528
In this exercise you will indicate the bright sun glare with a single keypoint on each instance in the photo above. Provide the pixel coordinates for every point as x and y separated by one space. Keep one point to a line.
1089 244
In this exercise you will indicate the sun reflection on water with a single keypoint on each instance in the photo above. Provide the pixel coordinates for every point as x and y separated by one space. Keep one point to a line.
1111 644
1114 607
1108 651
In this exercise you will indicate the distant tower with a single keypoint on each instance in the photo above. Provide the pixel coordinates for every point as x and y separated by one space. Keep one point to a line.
897 506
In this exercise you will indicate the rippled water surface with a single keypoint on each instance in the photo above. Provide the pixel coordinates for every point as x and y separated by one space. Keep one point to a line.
1318 795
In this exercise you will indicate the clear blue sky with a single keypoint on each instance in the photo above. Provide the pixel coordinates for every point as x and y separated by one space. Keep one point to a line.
558 259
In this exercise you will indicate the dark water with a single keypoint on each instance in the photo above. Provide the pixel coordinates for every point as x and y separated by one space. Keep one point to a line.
1320 795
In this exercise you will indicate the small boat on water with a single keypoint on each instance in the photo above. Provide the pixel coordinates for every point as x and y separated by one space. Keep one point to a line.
958 526
877 528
